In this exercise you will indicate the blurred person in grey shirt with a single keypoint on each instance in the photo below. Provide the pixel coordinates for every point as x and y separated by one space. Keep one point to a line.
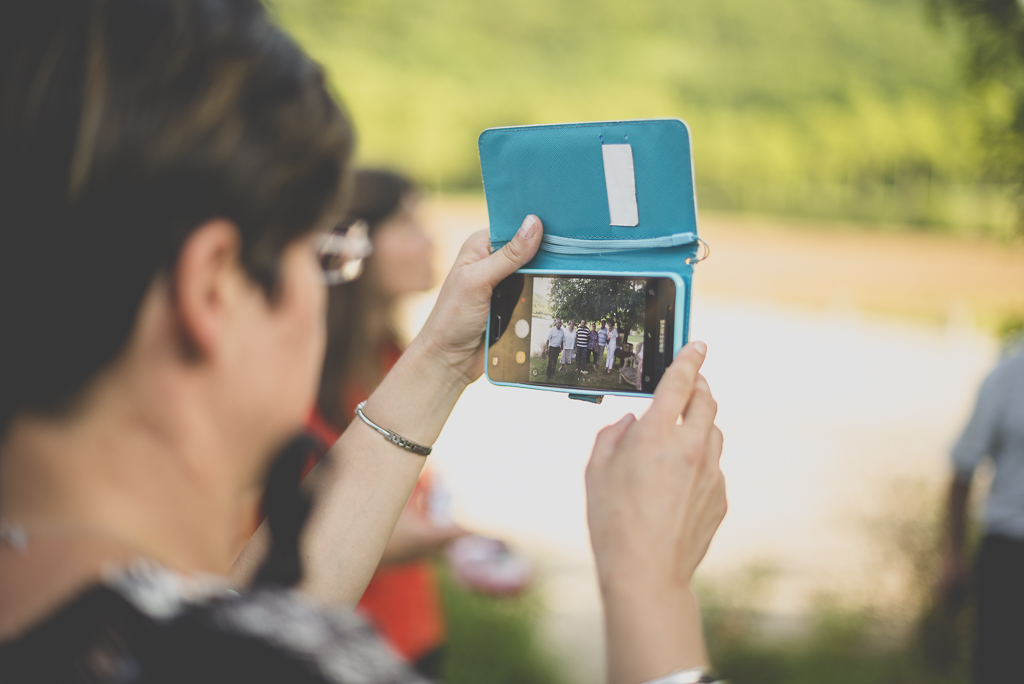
996 430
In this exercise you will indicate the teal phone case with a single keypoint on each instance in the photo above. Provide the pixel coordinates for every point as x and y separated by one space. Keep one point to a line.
615 197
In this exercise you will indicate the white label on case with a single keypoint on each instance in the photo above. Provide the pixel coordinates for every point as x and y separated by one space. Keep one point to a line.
620 181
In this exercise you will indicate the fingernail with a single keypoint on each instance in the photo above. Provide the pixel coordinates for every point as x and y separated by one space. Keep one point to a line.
701 348
529 227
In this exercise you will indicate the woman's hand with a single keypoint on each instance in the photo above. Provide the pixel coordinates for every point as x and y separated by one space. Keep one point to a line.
415 536
454 332
655 497
655 491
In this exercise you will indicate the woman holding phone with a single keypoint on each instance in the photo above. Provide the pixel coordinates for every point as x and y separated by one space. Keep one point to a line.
170 172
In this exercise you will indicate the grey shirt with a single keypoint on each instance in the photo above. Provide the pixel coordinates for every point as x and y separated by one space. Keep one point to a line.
996 429
555 338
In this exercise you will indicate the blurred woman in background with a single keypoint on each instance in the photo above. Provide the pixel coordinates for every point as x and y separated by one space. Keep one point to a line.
363 343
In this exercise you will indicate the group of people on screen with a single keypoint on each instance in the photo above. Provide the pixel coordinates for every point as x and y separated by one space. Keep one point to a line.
589 346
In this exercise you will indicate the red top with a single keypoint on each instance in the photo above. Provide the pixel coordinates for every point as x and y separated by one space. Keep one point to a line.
401 601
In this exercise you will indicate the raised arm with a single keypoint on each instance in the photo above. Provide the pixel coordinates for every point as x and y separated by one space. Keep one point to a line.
953 579
655 497
980 438
363 483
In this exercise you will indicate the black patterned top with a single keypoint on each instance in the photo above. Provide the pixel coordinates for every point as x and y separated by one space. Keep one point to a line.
148 625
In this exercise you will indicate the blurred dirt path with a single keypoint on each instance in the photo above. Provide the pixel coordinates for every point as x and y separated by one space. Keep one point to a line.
921 276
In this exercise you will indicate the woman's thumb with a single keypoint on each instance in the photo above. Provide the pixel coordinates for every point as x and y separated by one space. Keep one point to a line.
516 252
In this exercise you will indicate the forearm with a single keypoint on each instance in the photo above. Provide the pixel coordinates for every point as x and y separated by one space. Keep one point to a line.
367 480
651 633
956 513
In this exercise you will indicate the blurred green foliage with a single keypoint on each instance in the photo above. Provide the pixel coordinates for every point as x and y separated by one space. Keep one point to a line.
995 36
910 637
835 108
494 640
841 647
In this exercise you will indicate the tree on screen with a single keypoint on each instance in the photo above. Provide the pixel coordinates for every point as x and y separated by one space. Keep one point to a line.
620 301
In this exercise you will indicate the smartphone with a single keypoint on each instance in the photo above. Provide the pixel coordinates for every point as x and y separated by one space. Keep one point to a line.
584 333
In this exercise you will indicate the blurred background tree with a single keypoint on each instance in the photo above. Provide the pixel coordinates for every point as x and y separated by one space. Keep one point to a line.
995 67
836 109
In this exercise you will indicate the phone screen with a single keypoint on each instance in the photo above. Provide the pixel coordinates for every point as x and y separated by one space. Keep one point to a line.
612 333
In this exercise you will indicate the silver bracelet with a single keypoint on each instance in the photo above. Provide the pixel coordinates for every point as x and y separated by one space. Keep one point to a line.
695 675
393 437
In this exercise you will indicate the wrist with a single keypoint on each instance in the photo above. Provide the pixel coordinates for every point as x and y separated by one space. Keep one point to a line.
630 574
416 397
652 631
438 364
646 591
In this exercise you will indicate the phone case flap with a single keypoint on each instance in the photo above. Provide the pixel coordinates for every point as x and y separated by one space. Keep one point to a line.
613 196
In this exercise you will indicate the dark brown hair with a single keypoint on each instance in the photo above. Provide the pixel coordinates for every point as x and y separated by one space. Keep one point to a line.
124 125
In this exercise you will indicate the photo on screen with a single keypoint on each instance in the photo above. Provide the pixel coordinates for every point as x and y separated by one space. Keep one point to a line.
587 332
